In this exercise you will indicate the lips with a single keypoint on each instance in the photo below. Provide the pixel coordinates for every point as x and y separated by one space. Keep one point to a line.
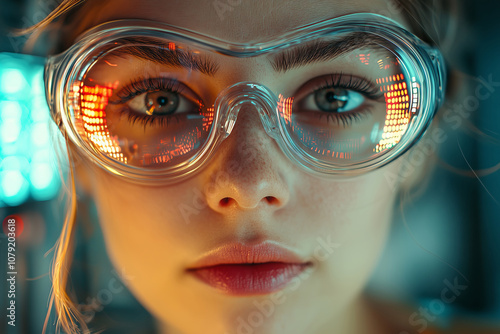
241 270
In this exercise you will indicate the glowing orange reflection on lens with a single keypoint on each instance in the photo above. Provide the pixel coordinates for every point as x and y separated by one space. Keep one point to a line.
364 58
93 102
398 115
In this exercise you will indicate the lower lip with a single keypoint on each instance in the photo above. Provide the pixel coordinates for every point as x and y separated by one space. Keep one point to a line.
249 279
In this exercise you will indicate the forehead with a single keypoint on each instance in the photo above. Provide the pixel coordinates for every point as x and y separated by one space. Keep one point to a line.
232 20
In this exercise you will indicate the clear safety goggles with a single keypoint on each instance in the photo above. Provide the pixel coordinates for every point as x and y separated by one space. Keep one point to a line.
152 102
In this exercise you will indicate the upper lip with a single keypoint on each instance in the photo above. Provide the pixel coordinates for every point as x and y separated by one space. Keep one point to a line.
237 253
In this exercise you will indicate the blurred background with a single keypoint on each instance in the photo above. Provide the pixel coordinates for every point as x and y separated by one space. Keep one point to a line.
450 232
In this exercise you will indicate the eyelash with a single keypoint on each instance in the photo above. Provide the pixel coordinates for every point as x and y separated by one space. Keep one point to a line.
361 85
145 85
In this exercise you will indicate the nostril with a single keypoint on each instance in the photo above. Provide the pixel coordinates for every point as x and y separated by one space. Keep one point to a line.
271 200
224 201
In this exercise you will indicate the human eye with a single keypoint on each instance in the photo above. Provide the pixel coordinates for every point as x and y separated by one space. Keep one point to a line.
344 116
148 121
156 102
339 98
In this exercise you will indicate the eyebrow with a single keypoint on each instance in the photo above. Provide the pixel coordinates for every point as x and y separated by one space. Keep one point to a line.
166 54
302 55
320 51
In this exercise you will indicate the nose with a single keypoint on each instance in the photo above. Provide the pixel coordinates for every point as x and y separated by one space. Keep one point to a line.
248 170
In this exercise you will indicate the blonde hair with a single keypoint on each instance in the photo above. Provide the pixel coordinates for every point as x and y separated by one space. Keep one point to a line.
68 315
425 20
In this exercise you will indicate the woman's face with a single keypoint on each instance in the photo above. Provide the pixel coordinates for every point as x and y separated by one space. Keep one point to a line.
249 194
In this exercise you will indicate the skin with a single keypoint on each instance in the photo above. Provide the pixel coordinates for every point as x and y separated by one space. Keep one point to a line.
150 239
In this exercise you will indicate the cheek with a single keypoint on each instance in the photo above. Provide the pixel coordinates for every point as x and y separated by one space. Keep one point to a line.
343 225
343 208
133 214
146 212
144 237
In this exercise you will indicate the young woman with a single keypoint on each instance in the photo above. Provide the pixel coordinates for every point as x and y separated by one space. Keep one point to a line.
244 156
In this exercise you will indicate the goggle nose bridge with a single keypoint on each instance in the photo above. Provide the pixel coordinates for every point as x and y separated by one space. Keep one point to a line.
230 101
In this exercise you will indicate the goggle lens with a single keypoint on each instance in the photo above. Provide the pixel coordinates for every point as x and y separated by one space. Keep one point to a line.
353 118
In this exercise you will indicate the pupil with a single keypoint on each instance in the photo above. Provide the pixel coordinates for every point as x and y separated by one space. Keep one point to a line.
330 97
162 101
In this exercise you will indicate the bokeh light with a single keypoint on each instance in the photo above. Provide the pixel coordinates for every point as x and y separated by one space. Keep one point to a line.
27 169
11 81
14 187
